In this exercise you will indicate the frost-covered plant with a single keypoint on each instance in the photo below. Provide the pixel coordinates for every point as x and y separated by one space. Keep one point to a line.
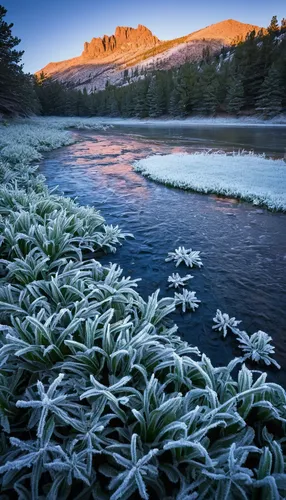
187 300
19 153
99 397
257 346
223 322
188 256
137 470
176 280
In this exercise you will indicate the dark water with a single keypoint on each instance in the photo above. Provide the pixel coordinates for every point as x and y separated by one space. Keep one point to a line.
243 247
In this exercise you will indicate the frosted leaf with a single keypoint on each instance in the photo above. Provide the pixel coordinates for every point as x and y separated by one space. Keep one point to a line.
257 346
187 299
187 255
136 470
176 280
223 322
125 368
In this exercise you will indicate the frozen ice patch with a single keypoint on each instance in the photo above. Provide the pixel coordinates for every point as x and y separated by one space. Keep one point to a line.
249 177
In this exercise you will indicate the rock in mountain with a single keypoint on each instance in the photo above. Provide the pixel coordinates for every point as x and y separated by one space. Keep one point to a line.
124 40
110 58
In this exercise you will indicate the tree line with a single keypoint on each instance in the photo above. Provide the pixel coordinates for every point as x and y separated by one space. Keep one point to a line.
17 90
245 79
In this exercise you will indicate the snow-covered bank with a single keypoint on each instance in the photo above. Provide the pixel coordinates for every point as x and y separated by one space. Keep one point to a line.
99 122
246 176
65 122
23 140
279 121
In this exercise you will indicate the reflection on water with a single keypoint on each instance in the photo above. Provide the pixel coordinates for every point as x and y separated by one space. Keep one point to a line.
243 248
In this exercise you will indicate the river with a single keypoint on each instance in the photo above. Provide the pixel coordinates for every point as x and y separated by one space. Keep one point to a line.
243 247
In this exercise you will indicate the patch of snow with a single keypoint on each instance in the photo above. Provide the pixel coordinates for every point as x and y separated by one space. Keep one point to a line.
247 176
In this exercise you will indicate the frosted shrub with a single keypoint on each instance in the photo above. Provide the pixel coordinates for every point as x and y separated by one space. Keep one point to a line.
257 346
187 256
187 300
177 281
99 397
19 153
223 322
23 141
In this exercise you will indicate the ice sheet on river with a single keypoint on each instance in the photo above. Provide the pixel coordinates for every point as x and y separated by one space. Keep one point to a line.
250 177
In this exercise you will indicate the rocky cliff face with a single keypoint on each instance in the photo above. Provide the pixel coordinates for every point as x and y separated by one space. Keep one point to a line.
107 58
124 40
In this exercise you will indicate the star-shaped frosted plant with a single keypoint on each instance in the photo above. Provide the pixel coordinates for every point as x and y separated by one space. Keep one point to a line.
223 322
257 347
176 280
187 255
187 299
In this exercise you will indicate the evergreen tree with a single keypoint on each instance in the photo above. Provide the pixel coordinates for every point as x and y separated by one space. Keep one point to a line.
235 95
273 28
269 100
70 103
174 108
16 89
251 61
283 25
206 54
111 102
153 99
206 101
140 101
51 95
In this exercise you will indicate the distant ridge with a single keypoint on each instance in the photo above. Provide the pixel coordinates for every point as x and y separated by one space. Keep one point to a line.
110 57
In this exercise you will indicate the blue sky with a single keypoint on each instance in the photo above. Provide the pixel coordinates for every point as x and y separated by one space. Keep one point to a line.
53 30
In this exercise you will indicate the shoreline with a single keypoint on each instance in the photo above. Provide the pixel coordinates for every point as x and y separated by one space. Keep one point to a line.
195 121
164 122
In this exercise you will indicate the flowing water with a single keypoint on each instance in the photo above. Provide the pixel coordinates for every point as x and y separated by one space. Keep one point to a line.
243 247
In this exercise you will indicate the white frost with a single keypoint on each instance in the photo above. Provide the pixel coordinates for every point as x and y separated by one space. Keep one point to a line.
247 176
198 121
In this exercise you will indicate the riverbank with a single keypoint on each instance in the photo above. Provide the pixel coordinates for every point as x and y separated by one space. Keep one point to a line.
197 121
90 369
90 122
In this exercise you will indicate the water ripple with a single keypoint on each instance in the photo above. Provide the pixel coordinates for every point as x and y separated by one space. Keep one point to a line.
243 249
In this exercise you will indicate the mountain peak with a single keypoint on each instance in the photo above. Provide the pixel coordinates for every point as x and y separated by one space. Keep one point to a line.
108 58
227 31
124 39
